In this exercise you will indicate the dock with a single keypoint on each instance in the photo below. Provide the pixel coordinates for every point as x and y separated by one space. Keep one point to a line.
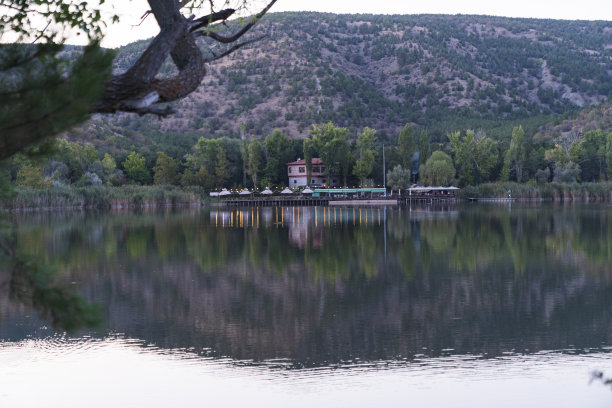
347 197
492 199
277 201
356 203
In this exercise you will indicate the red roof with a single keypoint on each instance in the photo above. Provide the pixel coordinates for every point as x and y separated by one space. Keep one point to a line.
315 160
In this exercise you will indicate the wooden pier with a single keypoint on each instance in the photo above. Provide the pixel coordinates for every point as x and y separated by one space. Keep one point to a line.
431 199
276 201
347 197
492 199
334 201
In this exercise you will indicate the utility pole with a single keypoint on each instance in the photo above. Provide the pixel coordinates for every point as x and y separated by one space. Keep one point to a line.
384 172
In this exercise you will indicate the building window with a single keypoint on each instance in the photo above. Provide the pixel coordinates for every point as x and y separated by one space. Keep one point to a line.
302 169
316 169
294 181
322 169
290 168
323 181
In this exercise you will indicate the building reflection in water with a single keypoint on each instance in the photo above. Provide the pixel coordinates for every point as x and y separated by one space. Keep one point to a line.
303 223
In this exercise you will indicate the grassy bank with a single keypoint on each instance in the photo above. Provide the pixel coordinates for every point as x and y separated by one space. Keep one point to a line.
548 191
103 197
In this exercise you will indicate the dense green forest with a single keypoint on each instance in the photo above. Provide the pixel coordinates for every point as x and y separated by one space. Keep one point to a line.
496 99
465 158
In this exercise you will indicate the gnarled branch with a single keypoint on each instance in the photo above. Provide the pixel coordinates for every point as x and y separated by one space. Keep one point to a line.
139 91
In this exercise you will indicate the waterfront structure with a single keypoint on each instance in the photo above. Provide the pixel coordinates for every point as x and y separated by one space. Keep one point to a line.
298 174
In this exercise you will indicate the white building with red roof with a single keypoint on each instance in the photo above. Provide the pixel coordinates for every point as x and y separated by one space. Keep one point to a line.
298 174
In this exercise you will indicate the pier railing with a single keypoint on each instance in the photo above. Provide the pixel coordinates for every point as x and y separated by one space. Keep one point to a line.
305 201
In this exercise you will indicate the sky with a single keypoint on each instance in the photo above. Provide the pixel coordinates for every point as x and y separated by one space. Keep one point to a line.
130 12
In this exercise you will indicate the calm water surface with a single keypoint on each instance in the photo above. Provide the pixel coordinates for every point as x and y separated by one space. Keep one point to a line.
462 306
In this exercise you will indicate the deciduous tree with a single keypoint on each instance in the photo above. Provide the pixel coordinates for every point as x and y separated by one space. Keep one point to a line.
165 169
398 178
438 170
406 145
136 168
256 159
515 156
365 161
475 156
279 152
331 145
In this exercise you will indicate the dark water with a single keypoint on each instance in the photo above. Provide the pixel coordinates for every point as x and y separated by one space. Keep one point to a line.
343 305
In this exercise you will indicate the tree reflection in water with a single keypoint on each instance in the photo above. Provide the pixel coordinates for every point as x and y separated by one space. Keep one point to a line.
29 282
321 285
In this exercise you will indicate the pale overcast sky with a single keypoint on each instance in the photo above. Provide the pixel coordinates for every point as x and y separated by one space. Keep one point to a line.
130 11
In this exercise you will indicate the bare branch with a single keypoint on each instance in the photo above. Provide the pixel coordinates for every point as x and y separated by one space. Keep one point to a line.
242 31
205 21
234 48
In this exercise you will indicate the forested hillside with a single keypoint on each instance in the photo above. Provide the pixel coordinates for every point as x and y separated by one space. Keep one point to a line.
439 72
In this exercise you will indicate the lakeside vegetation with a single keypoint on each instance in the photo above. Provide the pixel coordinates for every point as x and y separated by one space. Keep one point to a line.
104 197
550 191
76 174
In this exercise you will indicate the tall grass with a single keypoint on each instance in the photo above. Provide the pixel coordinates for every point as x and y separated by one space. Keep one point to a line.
103 197
547 191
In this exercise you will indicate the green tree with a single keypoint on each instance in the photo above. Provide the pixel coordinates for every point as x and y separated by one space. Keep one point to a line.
475 156
78 156
331 144
398 178
31 176
406 145
203 162
515 156
424 146
256 159
307 149
165 169
279 152
365 161
135 167
438 170
109 166
222 168
244 153
592 156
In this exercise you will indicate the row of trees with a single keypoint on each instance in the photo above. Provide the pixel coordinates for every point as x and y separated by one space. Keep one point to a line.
468 158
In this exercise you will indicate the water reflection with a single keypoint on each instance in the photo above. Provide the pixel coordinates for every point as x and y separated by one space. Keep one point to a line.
323 286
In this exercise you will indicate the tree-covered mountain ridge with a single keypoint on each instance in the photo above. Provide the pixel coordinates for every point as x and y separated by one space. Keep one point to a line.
440 72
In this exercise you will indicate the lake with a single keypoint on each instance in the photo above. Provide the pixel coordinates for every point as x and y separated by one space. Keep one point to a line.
467 305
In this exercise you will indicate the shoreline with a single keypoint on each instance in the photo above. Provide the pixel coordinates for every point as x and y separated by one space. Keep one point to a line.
160 196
